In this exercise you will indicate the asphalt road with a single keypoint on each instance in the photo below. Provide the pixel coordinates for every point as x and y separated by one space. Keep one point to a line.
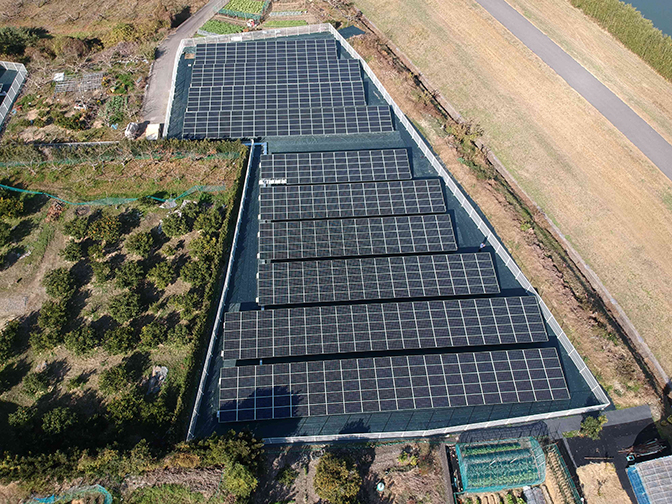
158 92
638 131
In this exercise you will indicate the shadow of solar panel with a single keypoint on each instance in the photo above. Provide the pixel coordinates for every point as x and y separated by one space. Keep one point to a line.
370 385
380 327
286 122
404 234
376 278
406 197
335 167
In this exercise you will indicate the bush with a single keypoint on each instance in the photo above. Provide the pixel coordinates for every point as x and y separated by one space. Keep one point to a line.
209 222
287 475
196 273
123 307
59 284
13 41
122 32
22 418
204 247
168 251
120 340
72 251
81 341
153 334
239 481
58 421
336 480
76 228
106 228
53 317
96 251
179 334
69 47
76 382
8 338
36 384
140 244
125 407
10 207
101 271
592 426
162 274
114 380
190 210
129 275
5 233
188 303
174 224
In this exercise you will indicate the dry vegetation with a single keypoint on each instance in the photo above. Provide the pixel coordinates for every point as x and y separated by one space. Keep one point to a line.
601 484
612 204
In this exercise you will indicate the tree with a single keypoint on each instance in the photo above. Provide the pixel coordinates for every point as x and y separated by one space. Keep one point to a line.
336 480
5 233
196 273
162 274
72 251
22 418
13 41
239 481
114 380
204 247
119 340
124 307
592 426
153 333
101 271
129 275
209 222
106 228
58 421
125 407
76 228
36 384
52 319
140 244
59 283
175 224
8 338
82 340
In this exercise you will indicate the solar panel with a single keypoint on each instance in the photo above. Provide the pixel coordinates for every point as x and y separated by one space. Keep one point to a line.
376 278
263 50
287 122
404 234
371 385
261 334
295 72
331 167
279 96
406 197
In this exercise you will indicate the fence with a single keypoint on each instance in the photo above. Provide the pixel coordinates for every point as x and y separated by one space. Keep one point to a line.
14 89
566 486
452 186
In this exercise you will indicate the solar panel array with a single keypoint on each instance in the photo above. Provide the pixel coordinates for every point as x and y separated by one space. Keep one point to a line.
358 260
335 167
404 197
371 385
326 330
403 234
397 277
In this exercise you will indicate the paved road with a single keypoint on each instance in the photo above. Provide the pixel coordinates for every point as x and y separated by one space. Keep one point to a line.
638 131
158 92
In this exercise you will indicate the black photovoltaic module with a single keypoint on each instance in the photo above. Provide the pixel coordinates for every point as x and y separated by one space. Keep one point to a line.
261 334
397 277
371 385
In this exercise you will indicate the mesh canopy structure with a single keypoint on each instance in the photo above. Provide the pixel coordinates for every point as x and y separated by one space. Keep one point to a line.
500 465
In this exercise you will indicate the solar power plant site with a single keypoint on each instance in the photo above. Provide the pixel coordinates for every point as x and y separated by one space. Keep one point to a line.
360 301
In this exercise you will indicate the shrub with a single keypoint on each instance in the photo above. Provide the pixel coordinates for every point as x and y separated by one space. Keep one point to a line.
153 333
76 228
53 317
13 41
196 273
96 251
72 251
592 426
129 275
22 418
122 32
190 210
125 407
168 251
179 334
140 244
123 307
188 303
5 233
204 247
58 421
101 271
81 341
36 384
10 207
119 340
239 481
209 222
59 284
69 47
336 480
8 338
114 380
106 228
162 274
76 382
174 224
287 475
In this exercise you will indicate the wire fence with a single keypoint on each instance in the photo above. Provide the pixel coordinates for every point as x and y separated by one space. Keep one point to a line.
14 89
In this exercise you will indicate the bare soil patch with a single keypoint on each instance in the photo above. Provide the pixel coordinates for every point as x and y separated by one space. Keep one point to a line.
601 484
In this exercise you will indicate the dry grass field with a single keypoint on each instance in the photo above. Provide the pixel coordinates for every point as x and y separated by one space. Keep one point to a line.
613 205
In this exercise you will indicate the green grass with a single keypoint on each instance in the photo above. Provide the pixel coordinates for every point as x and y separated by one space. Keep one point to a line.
40 246
251 6
173 494
221 27
286 23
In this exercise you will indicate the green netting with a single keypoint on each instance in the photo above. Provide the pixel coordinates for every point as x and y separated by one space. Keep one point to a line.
246 15
94 491
500 465
120 201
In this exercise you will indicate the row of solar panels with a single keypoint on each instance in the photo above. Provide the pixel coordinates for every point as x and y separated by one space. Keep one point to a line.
262 50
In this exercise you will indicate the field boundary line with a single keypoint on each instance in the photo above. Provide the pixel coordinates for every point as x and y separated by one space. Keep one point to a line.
661 378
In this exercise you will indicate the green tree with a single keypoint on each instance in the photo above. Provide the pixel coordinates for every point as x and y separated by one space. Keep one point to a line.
59 284
129 275
107 228
125 408
72 251
96 251
162 274
9 206
239 481
123 307
209 222
5 233
101 271
119 340
52 319
140 244
8 339
82 340
592 426
22 418
196 273
153 333
13 41
336 480
115 379
179 334
175 224
36 384
58 421
204 247
76 228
